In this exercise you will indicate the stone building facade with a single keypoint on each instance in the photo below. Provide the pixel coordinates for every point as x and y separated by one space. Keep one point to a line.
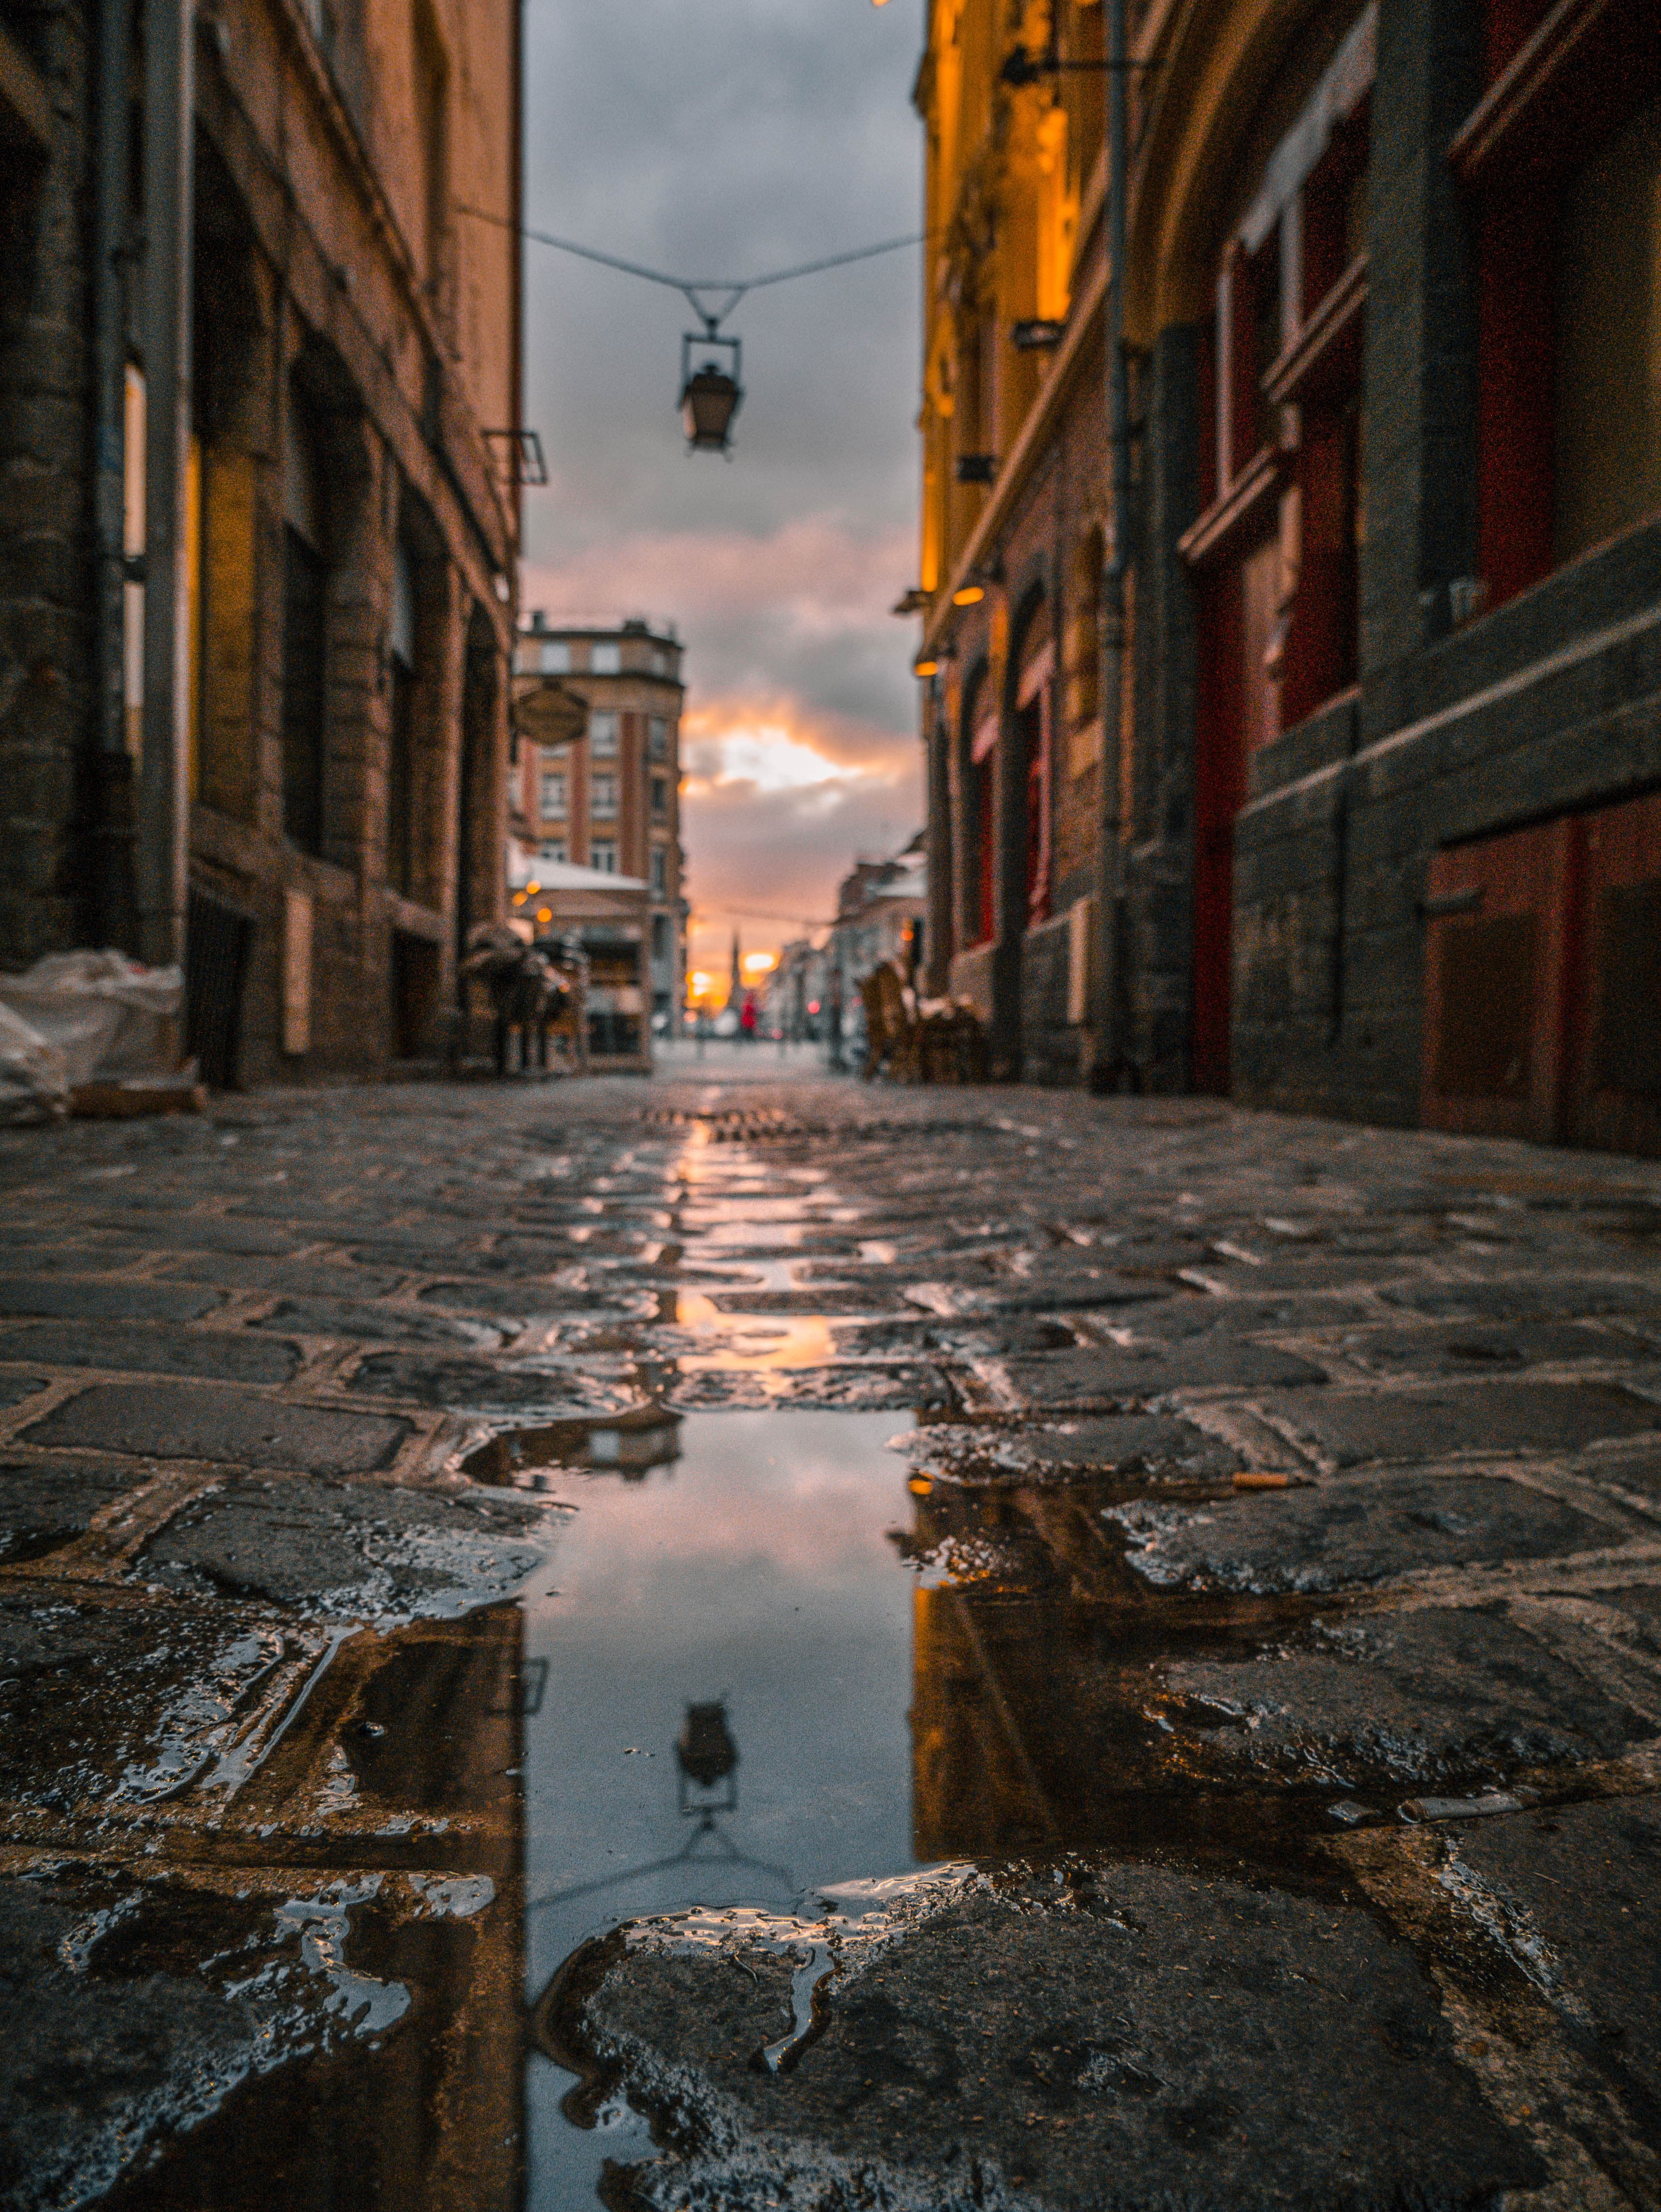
609 798
1378 832
348 370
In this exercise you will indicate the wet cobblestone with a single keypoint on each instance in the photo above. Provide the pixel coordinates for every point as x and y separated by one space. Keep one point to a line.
1285 1507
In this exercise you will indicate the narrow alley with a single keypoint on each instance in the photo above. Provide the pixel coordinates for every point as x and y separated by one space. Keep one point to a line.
753 1641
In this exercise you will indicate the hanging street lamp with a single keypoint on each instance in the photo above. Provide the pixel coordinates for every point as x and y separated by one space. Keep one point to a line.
710 396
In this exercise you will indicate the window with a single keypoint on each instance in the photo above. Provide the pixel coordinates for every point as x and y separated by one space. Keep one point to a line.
660 872
305 636
551 798
603 795
553 657
602 735
432 79
1609 361
1562 160
401 763
657 738
660 946
551 848
659 796
605 858
605 660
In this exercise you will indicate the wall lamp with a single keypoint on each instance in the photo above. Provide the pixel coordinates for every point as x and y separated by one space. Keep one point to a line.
969 596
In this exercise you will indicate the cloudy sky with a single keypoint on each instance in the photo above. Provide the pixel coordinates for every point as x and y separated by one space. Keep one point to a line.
731 138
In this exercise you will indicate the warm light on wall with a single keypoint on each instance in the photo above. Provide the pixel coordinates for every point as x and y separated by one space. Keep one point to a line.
970 596
545 914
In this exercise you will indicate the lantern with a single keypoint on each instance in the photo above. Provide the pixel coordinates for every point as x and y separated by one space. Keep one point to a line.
710 396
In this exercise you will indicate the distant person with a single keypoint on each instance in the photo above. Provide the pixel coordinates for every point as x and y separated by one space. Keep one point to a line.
747 1022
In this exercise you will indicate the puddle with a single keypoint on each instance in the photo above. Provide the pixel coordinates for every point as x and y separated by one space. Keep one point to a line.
757 1568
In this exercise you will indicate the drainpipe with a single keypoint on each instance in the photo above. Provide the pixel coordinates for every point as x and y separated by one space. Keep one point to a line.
110 801
1108 1050
163 801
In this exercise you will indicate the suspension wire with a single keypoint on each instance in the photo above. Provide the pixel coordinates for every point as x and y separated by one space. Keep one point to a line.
691 288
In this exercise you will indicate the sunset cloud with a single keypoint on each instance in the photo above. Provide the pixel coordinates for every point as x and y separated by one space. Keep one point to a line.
798 743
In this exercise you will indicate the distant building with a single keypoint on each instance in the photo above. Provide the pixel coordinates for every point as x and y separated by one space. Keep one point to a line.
797 991
609 798
882 909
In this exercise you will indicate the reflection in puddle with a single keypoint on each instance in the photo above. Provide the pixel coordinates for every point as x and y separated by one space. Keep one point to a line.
629 1443
762 1580
753 1339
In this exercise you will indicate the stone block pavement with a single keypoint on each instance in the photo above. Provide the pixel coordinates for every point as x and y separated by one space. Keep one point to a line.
1290 1732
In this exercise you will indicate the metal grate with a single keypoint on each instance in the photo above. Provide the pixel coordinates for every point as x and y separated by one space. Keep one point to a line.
219 939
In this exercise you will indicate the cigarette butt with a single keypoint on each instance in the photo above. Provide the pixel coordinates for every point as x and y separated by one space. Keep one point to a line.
1264 1481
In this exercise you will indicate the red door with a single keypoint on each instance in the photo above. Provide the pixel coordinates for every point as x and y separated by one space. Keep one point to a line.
1615 1092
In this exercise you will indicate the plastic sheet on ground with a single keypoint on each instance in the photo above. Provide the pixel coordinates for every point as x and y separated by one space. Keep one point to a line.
79 1017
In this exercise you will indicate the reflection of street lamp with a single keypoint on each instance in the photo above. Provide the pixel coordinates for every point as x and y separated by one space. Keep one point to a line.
707 1757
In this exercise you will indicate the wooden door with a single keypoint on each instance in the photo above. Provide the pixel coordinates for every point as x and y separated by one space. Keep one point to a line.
1614 1101
1500 959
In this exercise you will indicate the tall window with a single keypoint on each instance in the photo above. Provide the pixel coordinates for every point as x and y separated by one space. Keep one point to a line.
602 796
401 756
1562 160
657 738
980 745
551 799
659 796
660 872
603 734
305 634
431 72
605 858
605 659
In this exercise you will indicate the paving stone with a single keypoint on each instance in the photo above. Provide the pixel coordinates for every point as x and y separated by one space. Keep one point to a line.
94 1301
1458 1700
169 1420
521 1301
1579 1884
1280 1314
134 1348
294 1278
1354 1530
1126 1444
1350 1428
363 1549
1467 1348
369 1323
1088 1377
203 1232
1546 1295
474 1385
1200 2041
47 1501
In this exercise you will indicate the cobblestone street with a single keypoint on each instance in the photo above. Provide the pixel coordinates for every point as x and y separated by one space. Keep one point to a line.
1186 1583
